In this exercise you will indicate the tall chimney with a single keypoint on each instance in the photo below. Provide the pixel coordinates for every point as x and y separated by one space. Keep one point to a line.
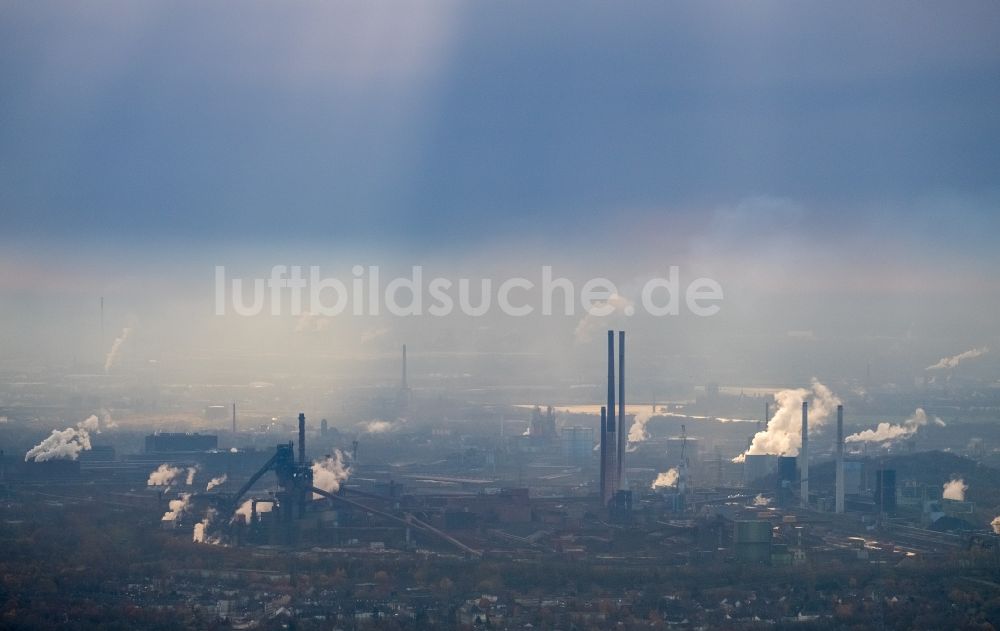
612 426
620 475
604 452
804 458
234 417
839 493
302 438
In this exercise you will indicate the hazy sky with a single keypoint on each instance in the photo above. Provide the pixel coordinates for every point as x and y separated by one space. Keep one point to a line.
834 166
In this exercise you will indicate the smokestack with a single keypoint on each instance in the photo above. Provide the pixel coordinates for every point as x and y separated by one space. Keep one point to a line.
767 415
234 417
302 438
804 458
839 493
404 366
604 451
620 475
612 483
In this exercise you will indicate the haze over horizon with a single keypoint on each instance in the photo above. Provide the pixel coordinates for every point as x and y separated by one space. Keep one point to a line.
833 168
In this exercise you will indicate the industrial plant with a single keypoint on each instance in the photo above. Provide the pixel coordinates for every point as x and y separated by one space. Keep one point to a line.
635 486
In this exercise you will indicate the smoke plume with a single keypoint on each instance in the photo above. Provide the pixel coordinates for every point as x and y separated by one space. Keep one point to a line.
199 535
996 525
377 427
638 432
955 490
245 511
591 324
214 482
189 480
116 348
888 432
178 506
329 472
164 475
783 435
760 500
64 444
666 479
947 363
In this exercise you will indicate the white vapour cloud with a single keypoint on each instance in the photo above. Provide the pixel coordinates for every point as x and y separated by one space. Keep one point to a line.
199 535
377 427
109 423
996 525
760 500
116 348
783 435
955 490
638 432
666 479
590 324
244 512
310 322
214 482
329 473
64 444
947 363
164 475
885 432
178 506
189 480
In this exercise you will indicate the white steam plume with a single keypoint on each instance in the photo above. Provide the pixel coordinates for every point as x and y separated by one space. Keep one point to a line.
996 525
955 490
947 363
116 348
377 427
783 435
244 512
189 480
64 444
178 506
885 432
214 482
164 475
199 535
312 323
591 324
666 479
760 500
638 432
329 472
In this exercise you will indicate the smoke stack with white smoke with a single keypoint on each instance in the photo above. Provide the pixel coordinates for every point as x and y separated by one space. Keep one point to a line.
783 434
64 444
887 432
116 348
955 490
164 475
947 363
214 482
329 473
666 479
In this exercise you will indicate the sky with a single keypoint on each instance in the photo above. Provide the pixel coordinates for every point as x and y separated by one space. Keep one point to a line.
834 166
